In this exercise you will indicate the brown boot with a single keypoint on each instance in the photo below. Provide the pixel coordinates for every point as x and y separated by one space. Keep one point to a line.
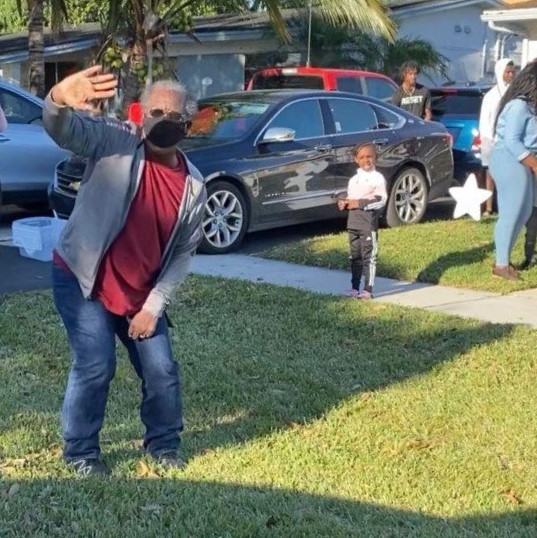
505 271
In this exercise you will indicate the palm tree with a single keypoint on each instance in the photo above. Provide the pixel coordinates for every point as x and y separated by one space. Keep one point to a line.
36 39
135 28
336 46
380 55
141 25
370 16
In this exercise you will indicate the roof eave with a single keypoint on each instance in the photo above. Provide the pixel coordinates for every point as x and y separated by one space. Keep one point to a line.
522 21
426 7
53 50
510 15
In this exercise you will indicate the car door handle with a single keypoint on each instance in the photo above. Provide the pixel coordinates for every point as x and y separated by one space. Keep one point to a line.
324 148
381 141
3 138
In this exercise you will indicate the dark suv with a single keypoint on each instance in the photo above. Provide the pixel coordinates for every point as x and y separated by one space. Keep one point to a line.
458 107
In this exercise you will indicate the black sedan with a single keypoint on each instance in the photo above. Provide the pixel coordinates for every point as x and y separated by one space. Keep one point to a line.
274 158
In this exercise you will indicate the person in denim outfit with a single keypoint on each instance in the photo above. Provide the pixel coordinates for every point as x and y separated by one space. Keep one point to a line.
513 165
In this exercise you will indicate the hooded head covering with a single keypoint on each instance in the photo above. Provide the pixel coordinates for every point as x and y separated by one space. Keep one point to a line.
489 109
499 70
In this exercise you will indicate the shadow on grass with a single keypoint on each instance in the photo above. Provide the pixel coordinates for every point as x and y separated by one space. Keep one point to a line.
254 358
307 366
157 508
436 269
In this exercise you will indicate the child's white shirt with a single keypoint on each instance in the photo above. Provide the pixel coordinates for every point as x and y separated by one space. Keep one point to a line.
368 185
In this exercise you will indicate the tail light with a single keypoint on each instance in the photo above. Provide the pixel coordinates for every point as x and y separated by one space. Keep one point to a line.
449 140
135 113
476 142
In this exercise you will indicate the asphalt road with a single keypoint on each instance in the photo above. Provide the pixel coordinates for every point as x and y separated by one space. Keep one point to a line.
23 274
16 272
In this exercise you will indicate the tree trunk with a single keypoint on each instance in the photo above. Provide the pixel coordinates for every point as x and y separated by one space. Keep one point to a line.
36 48
131 85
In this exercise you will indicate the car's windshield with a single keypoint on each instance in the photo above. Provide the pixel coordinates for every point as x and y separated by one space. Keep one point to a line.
226 120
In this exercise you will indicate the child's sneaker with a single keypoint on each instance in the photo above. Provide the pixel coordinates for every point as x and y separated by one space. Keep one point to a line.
365 295
355 294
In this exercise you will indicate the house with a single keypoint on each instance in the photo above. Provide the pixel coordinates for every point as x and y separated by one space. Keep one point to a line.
214 60
456 30
209 61
520 22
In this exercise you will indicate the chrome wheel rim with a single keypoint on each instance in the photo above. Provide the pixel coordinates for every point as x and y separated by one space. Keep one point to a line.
410 197
223 219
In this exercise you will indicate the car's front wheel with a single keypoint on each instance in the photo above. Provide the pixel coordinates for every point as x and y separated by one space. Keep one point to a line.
408 198
225 220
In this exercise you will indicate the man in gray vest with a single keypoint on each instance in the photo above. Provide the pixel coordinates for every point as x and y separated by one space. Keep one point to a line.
127 245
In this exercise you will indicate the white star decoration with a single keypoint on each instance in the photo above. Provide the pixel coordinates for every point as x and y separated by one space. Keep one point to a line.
469 198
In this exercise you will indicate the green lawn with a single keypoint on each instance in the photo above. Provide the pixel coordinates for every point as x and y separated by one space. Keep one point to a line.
306 415
456 253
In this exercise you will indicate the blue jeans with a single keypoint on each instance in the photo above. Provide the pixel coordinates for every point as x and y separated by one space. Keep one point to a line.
514 184
91 331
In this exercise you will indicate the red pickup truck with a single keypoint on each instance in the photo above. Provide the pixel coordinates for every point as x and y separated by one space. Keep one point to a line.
321 78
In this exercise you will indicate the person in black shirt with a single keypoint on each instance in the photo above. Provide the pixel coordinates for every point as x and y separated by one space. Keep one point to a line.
411 96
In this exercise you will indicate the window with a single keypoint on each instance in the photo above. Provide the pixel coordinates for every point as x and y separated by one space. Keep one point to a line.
455 103
276 82
379 88
349 84
17 109
304 117
385 118
226 120
351 116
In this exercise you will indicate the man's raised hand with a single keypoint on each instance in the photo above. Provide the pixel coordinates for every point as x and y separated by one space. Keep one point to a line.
80 89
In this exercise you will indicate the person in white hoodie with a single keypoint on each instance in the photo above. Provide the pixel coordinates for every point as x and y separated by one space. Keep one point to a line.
504 71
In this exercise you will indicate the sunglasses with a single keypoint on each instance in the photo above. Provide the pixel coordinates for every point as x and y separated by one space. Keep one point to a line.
170 115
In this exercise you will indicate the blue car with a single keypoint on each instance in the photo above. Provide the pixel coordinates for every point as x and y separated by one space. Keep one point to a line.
458 107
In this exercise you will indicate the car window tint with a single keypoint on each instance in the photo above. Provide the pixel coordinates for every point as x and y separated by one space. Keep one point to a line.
351 116
385 118
275 82
455 103
225 120
17 109
379 88
304 117
349 84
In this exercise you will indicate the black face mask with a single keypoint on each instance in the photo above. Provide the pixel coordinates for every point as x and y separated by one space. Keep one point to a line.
164 133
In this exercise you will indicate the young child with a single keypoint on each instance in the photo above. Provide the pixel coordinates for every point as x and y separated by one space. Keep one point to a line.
366 196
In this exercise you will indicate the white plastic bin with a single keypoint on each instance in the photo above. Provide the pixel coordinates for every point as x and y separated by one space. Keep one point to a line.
36 237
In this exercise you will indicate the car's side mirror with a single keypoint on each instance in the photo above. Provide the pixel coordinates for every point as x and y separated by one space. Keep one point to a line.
278 134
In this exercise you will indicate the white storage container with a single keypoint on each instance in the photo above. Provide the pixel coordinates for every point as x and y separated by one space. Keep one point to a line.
36 237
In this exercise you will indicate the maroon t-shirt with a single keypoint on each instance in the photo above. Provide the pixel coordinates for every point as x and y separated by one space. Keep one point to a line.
129 269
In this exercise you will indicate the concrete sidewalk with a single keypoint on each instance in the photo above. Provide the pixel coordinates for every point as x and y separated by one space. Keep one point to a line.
519 307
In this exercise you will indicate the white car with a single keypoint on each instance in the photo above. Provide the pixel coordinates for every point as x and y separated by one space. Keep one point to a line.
28 156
